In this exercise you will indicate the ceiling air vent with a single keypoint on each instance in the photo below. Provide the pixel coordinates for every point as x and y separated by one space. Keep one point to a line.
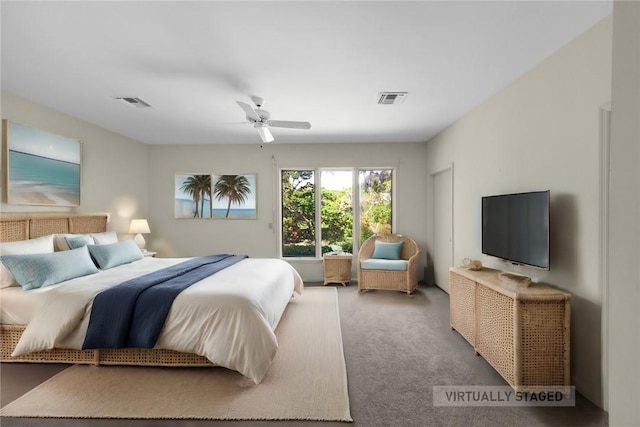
390 98
134 102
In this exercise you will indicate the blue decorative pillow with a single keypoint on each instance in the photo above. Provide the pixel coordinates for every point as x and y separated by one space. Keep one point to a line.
34 271
387 250
76 242
115 254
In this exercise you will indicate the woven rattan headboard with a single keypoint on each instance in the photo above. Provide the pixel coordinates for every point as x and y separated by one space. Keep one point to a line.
24 226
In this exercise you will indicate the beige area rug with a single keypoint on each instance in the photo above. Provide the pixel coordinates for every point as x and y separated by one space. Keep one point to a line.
307 380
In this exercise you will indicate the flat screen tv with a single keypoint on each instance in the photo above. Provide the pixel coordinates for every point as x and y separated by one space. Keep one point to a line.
515 227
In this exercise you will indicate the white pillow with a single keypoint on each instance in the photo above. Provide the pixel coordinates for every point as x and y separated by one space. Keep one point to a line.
40 245
106 238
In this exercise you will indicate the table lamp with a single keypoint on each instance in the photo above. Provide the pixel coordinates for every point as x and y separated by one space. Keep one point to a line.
139 226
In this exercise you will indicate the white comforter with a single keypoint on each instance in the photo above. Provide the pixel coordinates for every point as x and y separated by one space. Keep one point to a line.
229 317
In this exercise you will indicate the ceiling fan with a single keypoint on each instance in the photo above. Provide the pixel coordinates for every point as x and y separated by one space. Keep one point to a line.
260 119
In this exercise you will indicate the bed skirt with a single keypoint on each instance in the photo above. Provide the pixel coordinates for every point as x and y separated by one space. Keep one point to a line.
10 335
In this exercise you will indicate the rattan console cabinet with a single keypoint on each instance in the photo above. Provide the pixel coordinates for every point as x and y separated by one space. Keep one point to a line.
523 332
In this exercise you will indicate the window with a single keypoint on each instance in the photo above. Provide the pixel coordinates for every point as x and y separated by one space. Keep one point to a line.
336 210
375 202
318 209
298 213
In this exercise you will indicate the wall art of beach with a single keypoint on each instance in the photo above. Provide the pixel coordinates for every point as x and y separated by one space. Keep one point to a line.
44 169
41 180
185 208
192 187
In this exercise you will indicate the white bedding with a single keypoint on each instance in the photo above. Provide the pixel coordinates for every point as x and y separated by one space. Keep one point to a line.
16 306
229 317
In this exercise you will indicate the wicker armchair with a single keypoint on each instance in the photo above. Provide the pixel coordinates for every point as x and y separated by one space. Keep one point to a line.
405 281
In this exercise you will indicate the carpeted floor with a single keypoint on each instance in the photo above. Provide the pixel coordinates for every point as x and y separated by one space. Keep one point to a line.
397 348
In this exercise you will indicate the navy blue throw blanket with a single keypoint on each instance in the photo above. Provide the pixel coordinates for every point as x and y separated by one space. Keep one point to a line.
132 313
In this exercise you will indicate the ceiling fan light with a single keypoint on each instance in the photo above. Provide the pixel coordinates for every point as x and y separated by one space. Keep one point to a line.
265 134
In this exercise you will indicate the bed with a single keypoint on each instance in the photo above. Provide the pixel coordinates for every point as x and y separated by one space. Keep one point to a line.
227 319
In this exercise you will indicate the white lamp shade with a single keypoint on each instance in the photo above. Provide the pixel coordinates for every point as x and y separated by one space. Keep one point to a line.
139 226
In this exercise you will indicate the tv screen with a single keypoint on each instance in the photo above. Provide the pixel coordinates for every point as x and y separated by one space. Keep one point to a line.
515 227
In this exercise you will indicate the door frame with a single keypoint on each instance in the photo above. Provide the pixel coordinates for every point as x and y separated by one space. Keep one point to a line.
432 176
605 142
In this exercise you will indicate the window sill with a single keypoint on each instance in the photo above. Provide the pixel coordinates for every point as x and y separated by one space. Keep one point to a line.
302 260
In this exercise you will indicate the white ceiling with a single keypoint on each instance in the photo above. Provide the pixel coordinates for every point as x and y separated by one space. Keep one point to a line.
322 62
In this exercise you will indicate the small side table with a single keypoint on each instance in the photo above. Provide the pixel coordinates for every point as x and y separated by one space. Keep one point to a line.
337 268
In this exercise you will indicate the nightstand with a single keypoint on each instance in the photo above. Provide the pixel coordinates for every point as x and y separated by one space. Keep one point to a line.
149 253
337 268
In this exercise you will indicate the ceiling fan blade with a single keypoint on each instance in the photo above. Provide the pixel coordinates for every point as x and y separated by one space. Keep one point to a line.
257 100
265 134
289 124
249 111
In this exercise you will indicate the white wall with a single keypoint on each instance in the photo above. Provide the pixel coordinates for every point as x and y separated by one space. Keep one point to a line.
624 220
258 238
542 132
113 169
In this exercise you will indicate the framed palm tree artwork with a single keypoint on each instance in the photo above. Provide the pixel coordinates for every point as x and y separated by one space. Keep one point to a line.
234 196
193 195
